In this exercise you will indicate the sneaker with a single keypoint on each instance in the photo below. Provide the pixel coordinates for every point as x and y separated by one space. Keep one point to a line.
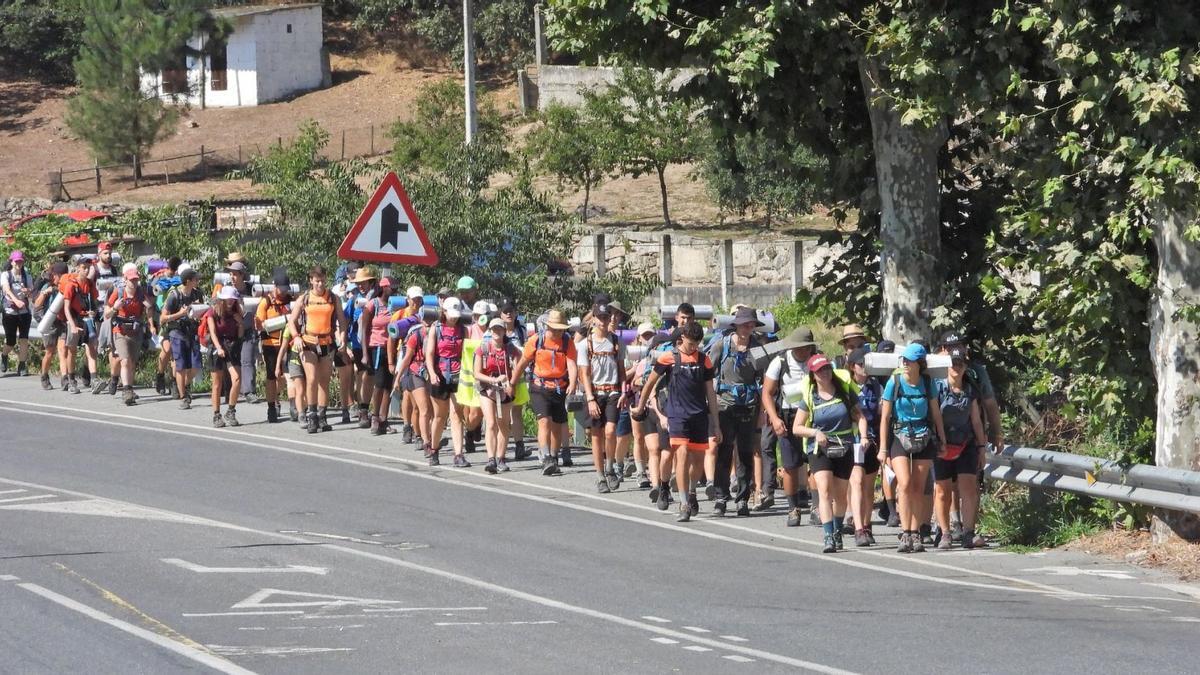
654 491
311 423
765 501
664 499
129 397
710 491
927 535
613 480
324 422
814 517
871 537
885 513
549 467
22 369
793 519
376 430
628 470
830 544
185 403
160 383
113 386
972 540
251 398
406 436
565 458
460 462
46 383
693 504
943 543
848 525
231 418
685 513
469 442
643 480
719 507
272 413
87 380
861 539
906 545
434 459
218 423
502 466
66 383
100 387
345 415
918 546
364 419
743 509
893 519
837 539
293 413
490 467
74 386
520 452
602 486
956 531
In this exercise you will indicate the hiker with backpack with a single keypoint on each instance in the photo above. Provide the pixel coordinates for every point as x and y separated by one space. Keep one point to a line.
785 370
54 331
443 358
318 327
645 428
373 325
601 372
16 295
270 321
956 467
128 309
181 329
518 335
739 389
827 415
494 361
413 365
911 434
691 410
555 377
81 305
866 463
222 332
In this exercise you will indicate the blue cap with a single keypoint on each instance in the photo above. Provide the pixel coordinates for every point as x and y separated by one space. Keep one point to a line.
914 352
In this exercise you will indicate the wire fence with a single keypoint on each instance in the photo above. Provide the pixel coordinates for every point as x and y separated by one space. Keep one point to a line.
206 162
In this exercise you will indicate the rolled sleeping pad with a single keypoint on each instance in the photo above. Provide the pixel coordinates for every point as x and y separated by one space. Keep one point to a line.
104 285
883 365
703 312
430 300
250 304
360 302
198 310
636 352
725 322
155 265
225 278
763 355
629 336
430 313
263 290
47 323
531 329
394 329
275 323
397 303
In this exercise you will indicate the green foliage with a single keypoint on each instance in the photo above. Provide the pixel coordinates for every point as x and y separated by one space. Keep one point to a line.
177 231
757 173
503 28
1018 521
433 139
118 119
575 145
40 37
39 237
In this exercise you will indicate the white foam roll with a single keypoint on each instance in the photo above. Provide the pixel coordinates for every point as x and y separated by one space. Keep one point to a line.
250 304
51 315
793 392
225 278
636 352
703 312
198 310
263 290
105 284
883 365
275 323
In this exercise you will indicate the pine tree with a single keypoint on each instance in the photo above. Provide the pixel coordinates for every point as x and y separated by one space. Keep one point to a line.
113 113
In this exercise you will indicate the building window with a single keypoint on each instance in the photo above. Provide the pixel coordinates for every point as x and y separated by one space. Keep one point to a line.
218 64
289 28
174 79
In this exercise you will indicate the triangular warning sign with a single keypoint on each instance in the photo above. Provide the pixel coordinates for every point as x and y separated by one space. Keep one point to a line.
388 230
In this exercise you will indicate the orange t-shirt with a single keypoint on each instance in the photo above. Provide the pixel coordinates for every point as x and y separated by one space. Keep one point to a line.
79 293
269 308
550 362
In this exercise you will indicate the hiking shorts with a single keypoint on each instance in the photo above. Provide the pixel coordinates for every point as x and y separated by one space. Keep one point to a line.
128 347
445 387
624 424
691 432
966 464
186 351
232 358
607 402
16 326
548 403
897 450
841 467
51 337
382 376
270 355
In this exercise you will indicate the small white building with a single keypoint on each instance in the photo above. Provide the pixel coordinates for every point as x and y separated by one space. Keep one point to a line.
273 52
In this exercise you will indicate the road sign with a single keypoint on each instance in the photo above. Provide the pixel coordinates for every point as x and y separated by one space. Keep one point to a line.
388 230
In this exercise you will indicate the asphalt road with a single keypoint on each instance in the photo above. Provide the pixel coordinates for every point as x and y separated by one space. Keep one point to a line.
142 540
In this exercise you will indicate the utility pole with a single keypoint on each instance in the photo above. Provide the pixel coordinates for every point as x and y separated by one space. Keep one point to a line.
469 67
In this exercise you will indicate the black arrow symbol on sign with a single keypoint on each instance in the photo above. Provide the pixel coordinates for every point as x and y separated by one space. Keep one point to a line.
390 226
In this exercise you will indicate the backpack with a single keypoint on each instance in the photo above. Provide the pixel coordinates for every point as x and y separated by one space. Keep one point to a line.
958 434
202 330
911 441
26 283
743 394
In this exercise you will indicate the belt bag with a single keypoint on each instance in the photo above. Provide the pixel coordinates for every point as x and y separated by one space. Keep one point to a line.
953 450
836 448
913 442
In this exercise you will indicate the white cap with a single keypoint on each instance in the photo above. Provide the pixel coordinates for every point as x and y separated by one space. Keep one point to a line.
183 267
128 266
453 308
646 327
480 308
415 292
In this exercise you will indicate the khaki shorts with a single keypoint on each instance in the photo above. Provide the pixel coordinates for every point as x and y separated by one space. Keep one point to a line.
128 347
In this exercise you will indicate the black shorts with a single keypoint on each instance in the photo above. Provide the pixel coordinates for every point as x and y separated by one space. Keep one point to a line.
870 463
841 467
16 326
339 359
791 449
691 432
609 413
897 450
445 388
382 376
548 403
270 360
966 464
232 359
323 351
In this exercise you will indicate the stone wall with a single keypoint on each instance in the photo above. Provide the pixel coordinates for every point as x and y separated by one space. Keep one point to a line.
15 208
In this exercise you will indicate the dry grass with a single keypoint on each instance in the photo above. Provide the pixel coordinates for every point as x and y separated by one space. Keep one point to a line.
1176 556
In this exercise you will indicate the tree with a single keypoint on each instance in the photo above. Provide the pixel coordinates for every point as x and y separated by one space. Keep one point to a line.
503 28
760 174
40 37
113 113
575 145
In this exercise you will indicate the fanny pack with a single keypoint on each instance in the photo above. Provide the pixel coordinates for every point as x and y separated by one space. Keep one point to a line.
953 450
836 448
913 442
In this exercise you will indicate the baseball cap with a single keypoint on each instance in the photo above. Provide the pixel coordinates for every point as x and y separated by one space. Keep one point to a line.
453 308
914 352
958 354
885 347
497 323
602 310
15 256
951 337
415 292
646 327
466 283
281 278
858 356
236 266
386 282
131 273
480 308
59 268
508 307
104 246
817 362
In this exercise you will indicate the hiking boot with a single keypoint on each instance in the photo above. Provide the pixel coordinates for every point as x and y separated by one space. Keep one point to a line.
848 524
685 513
130 397
293 413
918 546
926 535
803 499
664 499
693 503
185 403
627 470
565 458
345 415
710 491
434 459
906 544
324 419
74 386
502 466
22 369
972 540
66 383
159 383
460 462
719 507
793 518
374 425
113 385
861 539
871 536
814 517
837 539
550 466
100 388
654 494
643 481
406 436
521 452
943 543
311 423
251 398
231 419
602 486
272 413
614 481
765 501
830 544
743 509
366 420
218 423
956 531
87 380
46 383
3 364
490 467
469 442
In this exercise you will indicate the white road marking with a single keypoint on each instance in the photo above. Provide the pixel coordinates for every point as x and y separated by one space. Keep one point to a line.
26 499
1065 571
1135 608
201 569
697 648
1186 619
189 652
113 509
9 577
233 437
664 641
517 594
256 600
226 650
339 537
12 492
1183 589
656 619
737 659
494 623
697 629
427 609
734 638
277 611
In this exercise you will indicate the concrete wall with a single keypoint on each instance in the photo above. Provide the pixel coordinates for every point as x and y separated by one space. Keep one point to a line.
562 84
288 62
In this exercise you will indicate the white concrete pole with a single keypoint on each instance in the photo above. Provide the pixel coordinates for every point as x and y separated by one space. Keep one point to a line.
469 67
539 37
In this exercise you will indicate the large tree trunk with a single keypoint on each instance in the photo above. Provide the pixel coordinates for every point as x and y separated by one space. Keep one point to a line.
1175 353
906 170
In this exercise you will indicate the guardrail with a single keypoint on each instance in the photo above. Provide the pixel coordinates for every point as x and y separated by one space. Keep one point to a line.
1172 489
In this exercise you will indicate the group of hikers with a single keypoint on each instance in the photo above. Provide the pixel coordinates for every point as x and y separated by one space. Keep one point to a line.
731 408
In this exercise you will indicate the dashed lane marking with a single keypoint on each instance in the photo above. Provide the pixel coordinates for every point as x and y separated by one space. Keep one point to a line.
697 648
697 629
664 641
737 659
734 638
656 619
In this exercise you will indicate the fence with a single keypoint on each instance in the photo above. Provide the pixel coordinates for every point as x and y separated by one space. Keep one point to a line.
1171 489
205 162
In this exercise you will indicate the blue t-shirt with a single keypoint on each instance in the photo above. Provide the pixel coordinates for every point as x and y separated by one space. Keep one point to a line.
870 394
831 417
910 406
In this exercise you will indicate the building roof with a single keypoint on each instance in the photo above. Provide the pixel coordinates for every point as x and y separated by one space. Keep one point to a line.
251 10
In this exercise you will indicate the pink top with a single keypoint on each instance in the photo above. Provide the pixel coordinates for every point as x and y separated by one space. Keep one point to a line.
449 347
379 324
